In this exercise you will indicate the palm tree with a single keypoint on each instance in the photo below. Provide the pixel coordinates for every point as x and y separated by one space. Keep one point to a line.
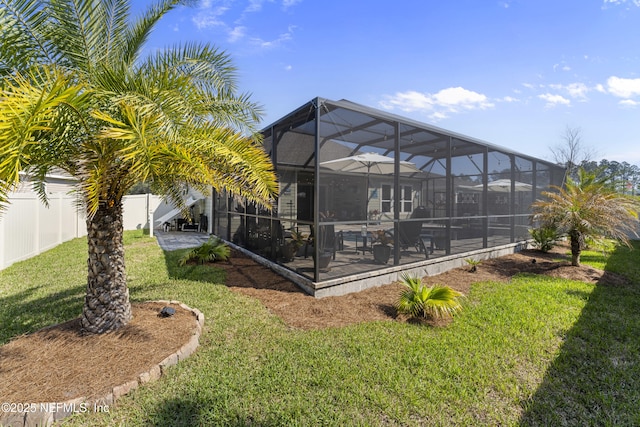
78 95
586 208
419 300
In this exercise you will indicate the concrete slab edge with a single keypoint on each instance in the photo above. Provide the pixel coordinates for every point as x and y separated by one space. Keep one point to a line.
430 267
48 413
359 282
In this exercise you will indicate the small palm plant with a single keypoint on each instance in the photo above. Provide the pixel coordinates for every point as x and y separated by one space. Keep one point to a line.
298 239
212 250
473 263
545 237
419 300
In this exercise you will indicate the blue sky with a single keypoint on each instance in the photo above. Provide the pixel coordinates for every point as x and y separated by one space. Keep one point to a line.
515 73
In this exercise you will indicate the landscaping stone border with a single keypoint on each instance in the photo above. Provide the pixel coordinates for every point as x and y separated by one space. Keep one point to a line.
47 413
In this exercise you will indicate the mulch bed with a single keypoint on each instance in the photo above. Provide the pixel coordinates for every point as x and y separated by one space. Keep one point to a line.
58 363
299 310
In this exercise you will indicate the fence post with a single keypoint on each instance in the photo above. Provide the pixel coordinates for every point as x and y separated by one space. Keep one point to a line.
2 242
36 236
149 215
60 219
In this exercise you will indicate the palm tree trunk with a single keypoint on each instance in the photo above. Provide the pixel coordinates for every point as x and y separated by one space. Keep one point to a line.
576 247
106 306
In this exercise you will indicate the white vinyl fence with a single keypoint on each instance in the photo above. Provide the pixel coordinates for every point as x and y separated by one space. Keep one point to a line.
140 209
28 228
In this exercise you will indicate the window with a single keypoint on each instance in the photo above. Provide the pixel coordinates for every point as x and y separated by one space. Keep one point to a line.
406 198
387 198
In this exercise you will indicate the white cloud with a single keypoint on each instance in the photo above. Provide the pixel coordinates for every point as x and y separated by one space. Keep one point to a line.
237 33
282 38
457 97
623 88
574 90
254 6
621 2
561 67
439 105
408 101
288 67
437 116
289 3
208 17
577 90
554 100
629 103
509 99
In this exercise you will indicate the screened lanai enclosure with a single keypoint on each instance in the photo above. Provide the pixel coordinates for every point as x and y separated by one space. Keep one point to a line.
365 194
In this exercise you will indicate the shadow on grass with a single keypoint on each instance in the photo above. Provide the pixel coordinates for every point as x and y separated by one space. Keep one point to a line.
23 312
595 379
186 412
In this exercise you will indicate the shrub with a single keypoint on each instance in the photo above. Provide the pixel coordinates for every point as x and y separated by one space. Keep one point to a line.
298 239
544 237
473 263
419 300
212 250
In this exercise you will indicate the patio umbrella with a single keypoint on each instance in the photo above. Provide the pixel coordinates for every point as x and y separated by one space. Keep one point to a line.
369 163
504 186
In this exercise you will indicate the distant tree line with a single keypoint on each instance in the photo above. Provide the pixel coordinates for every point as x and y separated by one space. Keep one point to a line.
623 177
572 154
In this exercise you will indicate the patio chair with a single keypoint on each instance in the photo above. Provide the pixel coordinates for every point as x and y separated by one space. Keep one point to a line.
330 241
410 234
420 212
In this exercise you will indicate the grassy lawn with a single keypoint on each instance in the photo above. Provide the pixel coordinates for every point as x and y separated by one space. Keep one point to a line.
537 351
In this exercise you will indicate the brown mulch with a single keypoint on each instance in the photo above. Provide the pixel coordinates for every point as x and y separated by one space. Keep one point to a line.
57 364
299 310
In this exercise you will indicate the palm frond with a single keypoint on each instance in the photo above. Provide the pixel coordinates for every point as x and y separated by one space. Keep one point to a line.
238 111
241 166
200 82
208 68
78 31
116 25
173 119
30 105
588 207
25 40
419 300
443 301
212 250
138 33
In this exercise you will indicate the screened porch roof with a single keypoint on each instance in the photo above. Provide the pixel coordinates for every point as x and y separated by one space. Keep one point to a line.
362 126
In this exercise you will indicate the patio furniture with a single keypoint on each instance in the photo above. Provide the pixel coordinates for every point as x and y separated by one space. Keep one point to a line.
410 234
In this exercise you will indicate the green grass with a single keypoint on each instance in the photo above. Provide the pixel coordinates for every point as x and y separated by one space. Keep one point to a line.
536 351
